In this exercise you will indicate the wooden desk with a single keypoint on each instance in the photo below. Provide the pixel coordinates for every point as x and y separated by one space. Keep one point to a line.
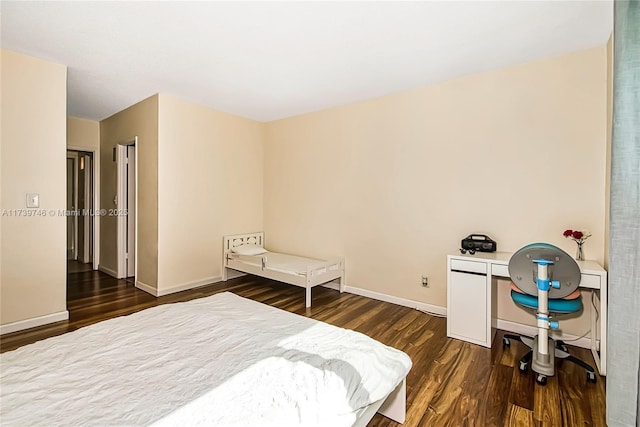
471 302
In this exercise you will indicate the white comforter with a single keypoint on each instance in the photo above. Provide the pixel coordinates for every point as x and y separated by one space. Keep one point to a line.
221 360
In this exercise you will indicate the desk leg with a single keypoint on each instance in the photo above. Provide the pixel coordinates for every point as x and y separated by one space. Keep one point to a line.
492 310
600 357
594 331
603 329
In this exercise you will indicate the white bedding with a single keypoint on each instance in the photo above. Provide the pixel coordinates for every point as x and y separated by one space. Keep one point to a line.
221 360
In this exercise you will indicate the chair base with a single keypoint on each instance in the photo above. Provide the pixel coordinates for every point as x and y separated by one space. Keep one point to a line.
544 365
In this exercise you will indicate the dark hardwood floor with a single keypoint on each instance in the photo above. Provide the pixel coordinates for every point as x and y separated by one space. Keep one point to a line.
452 383
75 266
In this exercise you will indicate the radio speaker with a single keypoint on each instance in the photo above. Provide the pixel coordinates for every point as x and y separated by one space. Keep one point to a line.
479 243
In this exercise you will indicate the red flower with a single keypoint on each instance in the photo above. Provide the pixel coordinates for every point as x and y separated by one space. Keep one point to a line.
577 235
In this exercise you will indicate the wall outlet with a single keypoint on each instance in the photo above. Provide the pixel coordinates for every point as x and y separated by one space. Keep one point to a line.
425 281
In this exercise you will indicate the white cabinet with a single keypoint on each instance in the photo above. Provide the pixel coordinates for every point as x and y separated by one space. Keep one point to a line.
467 307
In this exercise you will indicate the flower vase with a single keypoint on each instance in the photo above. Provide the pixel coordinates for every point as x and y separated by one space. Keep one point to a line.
579 254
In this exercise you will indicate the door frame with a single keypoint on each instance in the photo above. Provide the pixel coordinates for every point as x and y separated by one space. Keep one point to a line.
88 193
121 224
71 215
96 199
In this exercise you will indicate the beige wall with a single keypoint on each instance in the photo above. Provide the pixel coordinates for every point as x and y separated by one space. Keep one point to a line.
394 183
83 133
210 172
139 120
33 249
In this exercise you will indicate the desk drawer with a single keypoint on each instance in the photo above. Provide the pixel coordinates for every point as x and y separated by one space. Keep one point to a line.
500 270
469 266
590 281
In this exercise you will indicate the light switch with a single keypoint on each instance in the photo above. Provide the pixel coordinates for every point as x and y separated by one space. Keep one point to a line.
33 200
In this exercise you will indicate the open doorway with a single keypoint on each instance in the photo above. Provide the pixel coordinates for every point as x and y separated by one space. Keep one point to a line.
80 209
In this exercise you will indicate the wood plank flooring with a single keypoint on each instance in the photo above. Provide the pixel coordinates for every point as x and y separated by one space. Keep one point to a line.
452 383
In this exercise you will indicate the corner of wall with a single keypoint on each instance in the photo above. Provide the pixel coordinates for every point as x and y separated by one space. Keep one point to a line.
139 120
608 136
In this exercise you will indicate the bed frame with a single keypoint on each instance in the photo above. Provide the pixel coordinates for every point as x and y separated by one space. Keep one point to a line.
317 275
394 406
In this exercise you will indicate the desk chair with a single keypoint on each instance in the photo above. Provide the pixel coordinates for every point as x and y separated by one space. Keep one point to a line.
545 279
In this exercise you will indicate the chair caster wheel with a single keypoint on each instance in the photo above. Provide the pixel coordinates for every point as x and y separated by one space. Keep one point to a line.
523 367
591 377
506 342
541 379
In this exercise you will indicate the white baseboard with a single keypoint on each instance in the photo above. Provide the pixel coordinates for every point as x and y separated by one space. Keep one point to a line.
147 288
33 322
232 274
190 285
108 271
179 288
331 285
422 306
519 328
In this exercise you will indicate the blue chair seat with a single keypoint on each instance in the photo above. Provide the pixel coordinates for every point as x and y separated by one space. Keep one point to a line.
555 305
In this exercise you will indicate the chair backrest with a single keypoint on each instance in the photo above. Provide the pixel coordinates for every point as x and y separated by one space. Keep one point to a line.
524 271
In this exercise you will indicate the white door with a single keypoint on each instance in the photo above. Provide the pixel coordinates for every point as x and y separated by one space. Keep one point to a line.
86 208
131 210
83 207
126 210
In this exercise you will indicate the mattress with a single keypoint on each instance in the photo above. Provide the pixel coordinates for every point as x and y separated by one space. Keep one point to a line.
289 264
220 360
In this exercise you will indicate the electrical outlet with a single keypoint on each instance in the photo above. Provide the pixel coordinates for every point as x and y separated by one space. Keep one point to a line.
425 281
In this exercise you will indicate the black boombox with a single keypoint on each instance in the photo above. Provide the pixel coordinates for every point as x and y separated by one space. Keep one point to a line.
478 243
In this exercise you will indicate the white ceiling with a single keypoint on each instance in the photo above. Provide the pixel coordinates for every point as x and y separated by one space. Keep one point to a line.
270 60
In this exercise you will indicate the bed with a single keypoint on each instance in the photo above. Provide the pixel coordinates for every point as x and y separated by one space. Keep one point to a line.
219 360
246 253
